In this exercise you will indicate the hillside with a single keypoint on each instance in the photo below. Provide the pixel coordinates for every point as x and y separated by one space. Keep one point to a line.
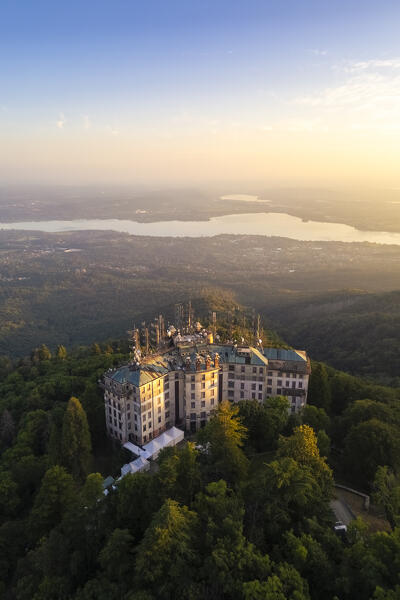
352 331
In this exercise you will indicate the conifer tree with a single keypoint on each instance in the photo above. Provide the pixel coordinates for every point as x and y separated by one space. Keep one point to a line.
76 443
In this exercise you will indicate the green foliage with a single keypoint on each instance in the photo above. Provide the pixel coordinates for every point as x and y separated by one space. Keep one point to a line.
223 437
55 497
76 443
387 494
368 445
166 557
264 421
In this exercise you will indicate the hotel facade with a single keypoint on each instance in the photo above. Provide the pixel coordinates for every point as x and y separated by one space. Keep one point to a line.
185 381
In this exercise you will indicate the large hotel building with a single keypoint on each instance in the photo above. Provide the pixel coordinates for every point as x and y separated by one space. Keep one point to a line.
184 382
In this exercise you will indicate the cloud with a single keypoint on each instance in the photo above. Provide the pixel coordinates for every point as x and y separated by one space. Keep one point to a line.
61 121
318 52
373 64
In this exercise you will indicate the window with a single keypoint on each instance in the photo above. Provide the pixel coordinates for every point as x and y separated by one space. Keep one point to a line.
212 392
230 393
193 416
253 386
192 387
167 414
144 438
260 396
149 415
231 376
287 383
129 415
212 402
159 409
203 386
279 391
242 369
242 386
167 404
269 381
150 425
300 384
270 373
159 419
261 370
253 396
193 396
231 367
203 394
254 369
242 394
129 425
231 384
203 403
144 417
144 427
279 382
260 386
193 405
192 378
203 377
135 427
203 415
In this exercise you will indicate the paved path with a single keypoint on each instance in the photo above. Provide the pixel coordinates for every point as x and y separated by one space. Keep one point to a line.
341 511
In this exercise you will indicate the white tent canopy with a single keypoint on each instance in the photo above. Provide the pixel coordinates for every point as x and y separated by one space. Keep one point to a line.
140 464
171 437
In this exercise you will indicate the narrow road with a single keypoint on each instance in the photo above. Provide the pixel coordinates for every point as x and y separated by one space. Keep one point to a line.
341 511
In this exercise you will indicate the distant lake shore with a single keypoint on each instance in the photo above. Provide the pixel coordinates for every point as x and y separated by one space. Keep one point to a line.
266 224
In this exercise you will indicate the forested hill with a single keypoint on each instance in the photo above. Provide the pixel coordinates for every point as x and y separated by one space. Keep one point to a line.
247 519
356 332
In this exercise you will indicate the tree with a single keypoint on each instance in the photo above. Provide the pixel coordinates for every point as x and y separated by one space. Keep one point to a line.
319 392
76 443
8 496
7 428
387 494
41 353
324 443
61 352
117 559
369 445
302 446
315 417
55 497
264 421
166 557
223 436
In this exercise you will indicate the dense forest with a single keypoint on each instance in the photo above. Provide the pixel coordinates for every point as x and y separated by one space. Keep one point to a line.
244 514
356 332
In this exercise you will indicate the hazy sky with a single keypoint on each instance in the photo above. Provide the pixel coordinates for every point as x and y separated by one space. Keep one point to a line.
198 91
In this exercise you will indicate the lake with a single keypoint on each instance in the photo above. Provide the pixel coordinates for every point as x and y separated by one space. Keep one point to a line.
267 224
